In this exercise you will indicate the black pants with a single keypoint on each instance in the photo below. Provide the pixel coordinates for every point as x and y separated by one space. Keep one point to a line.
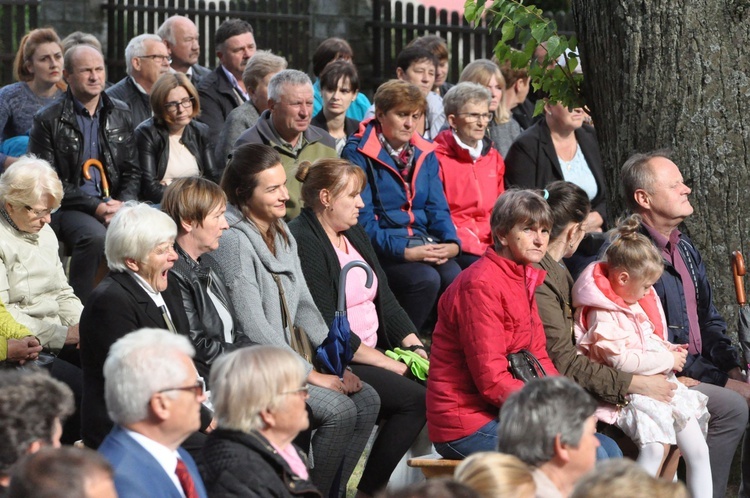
401 419
72 376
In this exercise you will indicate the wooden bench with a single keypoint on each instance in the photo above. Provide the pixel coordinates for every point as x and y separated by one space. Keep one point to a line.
433 465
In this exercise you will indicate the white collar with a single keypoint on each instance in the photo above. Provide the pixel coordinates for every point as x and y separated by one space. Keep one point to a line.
474 152
167 458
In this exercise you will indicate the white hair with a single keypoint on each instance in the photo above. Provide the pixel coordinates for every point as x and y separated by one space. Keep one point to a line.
137 48
166 30
290 77
135 230
26 181
139 365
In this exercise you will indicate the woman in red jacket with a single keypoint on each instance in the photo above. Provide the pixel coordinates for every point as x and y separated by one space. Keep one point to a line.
488 312
471 169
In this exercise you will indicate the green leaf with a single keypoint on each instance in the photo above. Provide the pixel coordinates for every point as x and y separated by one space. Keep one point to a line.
508 31
502 51
537 30
573 43
518 59
572 62
539 107
553 47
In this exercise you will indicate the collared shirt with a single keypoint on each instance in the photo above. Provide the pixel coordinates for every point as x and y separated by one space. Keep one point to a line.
167 458
670 252
294 149
240 92
155 296
89 126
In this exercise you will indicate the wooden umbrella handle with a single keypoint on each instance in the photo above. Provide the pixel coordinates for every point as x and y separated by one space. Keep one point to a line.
98 165
738 269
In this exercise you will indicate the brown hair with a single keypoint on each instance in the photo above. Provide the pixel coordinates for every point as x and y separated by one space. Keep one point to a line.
159 92
191 199
397 93
518 206
481 71
240 179
29 43
632 251
333 175
328 51
569 204
512 75
434 44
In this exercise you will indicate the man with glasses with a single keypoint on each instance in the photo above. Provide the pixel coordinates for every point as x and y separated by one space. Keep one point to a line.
147 58
87 124
154 396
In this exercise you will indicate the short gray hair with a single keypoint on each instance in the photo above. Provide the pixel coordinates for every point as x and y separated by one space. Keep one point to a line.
135 230
249 380
531 419
261 65
139 365
290 77
462 94
27 180
137 48
636 174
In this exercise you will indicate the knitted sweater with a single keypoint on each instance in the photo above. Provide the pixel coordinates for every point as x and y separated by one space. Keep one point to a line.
18 104
249 266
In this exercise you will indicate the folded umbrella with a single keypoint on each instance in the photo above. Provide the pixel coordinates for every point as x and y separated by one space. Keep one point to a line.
743 326
335 352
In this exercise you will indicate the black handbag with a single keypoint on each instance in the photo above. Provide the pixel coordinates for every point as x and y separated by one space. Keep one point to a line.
524 366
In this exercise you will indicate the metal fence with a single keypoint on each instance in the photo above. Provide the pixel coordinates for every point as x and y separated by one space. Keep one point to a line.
282 26
17 17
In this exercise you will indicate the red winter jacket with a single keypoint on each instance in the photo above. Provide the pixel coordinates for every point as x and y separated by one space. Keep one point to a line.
471 189
489 311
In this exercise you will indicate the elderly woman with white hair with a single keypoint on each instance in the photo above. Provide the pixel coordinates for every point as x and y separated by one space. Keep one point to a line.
138 292
259 396
33 284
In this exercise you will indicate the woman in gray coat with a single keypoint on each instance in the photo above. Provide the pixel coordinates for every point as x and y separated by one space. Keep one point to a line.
258 256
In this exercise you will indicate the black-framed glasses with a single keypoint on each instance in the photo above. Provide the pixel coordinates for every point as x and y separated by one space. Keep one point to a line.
300 390
473 117
40 213
185 103
199 388
158 58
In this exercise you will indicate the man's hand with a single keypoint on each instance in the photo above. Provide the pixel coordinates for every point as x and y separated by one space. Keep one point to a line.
106 210
737 374
72 337
23 350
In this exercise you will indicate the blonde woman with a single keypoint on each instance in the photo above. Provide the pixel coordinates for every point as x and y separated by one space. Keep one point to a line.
493 474
502 130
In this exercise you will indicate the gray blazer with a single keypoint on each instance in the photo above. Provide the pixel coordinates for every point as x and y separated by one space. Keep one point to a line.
249 266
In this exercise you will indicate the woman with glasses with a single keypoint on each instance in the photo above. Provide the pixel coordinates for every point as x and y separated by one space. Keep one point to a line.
471 169
259 396
171 144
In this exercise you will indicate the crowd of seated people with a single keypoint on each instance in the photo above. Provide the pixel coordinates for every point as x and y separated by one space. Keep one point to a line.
222 206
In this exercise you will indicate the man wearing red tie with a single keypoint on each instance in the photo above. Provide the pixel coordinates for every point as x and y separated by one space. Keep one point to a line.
153 395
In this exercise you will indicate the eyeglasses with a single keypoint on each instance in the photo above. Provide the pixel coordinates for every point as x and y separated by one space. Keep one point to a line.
40 213
305 390
473 117
158 58
185 103
198 388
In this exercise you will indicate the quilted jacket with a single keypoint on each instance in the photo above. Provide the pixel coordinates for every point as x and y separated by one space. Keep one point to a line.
489 311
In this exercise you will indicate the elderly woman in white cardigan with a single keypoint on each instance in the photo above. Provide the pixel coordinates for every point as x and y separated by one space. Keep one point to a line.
258 255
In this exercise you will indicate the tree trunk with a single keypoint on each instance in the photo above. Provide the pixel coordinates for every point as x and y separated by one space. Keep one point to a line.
676 74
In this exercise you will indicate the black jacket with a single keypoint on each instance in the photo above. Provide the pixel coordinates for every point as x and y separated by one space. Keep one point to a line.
350 125
206 328
56 138
139 102
217 97
322 270
532 161
153 153
117 306
240 464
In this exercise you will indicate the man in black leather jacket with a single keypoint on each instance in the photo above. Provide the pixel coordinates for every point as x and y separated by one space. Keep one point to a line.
86 124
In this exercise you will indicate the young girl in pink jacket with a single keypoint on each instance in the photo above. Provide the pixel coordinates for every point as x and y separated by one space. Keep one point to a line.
620 322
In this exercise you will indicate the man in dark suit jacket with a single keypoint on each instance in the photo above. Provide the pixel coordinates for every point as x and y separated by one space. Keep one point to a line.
154 395
180 35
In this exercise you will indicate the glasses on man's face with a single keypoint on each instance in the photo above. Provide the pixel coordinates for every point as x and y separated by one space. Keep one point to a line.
473 117
304 390
40 213
186 103
198 388
161 59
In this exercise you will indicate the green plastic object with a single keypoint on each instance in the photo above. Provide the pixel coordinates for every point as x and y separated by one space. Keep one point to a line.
419 366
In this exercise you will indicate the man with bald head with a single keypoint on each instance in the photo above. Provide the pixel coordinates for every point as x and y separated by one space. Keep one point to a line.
655 189
181 37
87 124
